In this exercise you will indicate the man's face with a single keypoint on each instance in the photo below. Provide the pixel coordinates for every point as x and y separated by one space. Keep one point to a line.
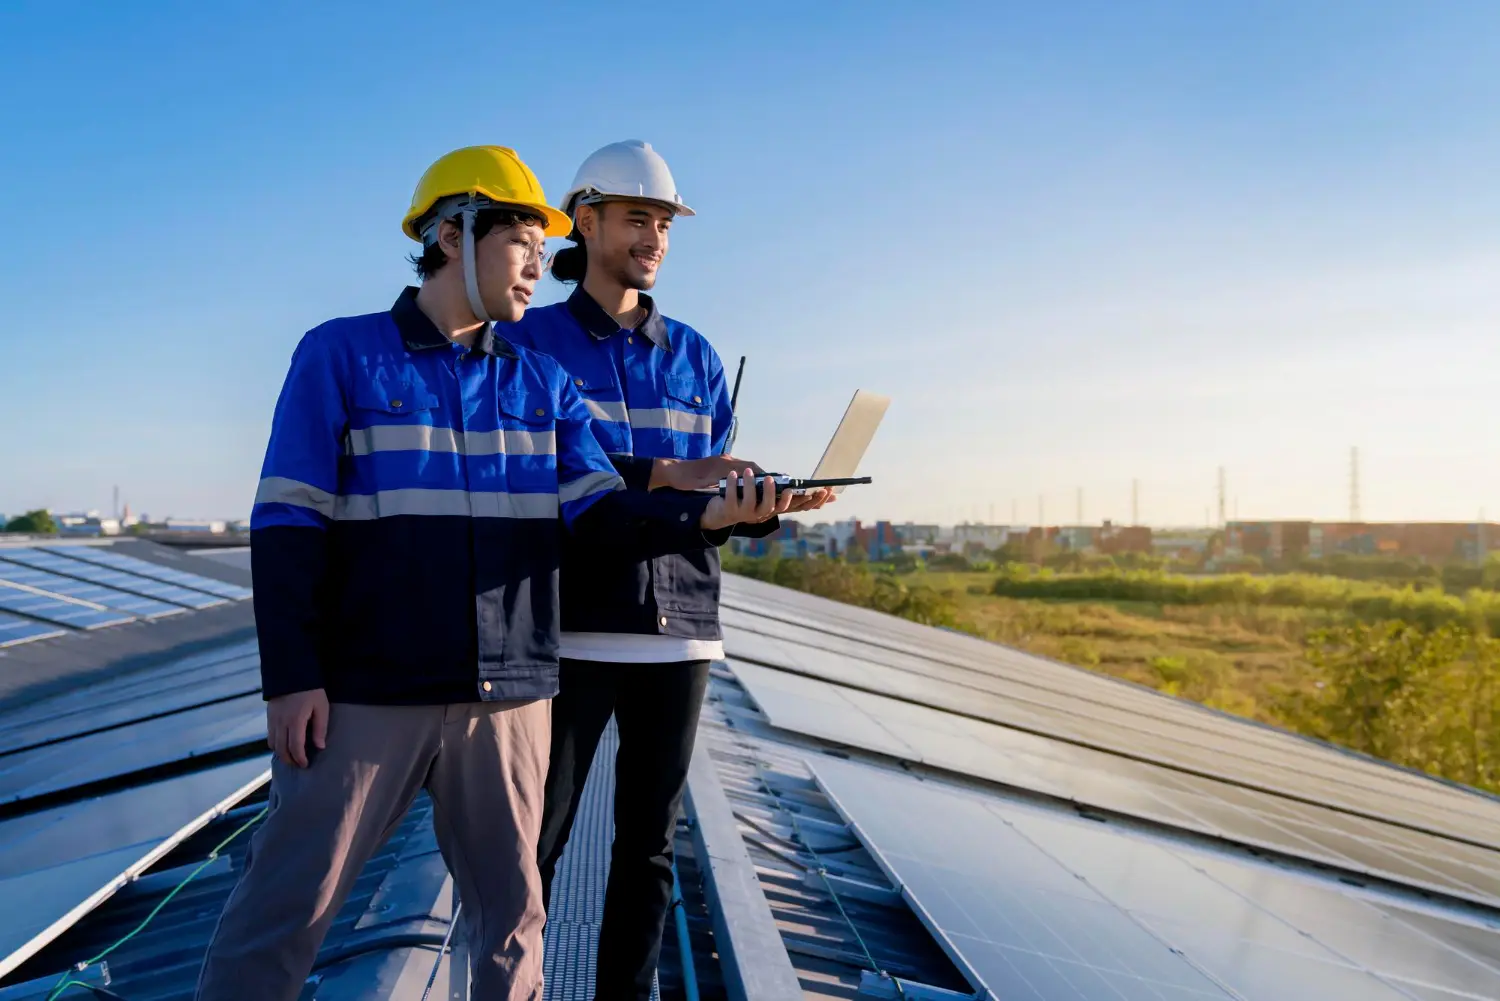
629 241
507 264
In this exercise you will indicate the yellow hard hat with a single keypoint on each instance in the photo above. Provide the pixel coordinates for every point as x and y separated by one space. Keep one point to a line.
493 172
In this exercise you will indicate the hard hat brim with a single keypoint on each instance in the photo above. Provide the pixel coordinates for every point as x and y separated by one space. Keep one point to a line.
555 223
574 200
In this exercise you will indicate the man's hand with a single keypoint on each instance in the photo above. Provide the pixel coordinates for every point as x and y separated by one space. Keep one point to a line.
697 474
287 717
736 509
812 500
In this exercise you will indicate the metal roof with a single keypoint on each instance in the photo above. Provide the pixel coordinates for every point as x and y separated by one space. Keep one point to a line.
875 810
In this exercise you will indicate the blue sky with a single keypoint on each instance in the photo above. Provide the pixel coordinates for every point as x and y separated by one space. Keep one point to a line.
1078 244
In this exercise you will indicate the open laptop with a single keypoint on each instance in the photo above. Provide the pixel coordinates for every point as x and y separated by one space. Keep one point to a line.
840 463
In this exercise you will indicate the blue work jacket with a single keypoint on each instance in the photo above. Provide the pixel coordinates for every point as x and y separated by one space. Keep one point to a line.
655 391
404 541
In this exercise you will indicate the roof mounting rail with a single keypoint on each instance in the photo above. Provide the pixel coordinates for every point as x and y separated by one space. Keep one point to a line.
875 985
752 955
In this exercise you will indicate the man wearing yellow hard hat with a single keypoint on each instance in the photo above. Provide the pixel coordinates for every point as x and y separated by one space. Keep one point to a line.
405 552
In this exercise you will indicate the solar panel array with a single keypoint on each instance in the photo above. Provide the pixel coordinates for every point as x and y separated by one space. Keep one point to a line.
1041 906
70 587
1213 858
1102 782
959 675
103 557
57 609
90 587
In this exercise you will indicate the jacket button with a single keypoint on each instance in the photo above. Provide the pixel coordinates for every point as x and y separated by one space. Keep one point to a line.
578 382
682 516
396 404
663 621
487 686
540 412
630 340
697 399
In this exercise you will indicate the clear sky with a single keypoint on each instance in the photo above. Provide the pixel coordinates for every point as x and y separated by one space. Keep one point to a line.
1078 243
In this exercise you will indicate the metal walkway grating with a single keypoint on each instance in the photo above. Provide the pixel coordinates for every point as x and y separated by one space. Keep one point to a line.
577 903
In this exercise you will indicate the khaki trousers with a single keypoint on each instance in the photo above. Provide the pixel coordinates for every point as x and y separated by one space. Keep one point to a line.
483 764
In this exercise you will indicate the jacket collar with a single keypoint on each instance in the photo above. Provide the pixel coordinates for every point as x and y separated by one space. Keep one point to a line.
601 326
419 333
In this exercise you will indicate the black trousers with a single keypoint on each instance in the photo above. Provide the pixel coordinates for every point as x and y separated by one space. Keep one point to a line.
656 710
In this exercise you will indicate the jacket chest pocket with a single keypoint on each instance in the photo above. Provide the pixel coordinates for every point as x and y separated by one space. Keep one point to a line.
603 398
688 416
528 425
394 416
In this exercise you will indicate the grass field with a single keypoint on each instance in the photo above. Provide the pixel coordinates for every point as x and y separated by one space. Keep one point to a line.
1233 658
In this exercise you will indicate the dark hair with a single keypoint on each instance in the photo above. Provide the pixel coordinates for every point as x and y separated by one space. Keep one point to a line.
431 260
570 264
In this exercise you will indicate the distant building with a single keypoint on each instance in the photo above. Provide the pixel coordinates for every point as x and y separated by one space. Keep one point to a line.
193 525
912 534
87 524
976 539
1180 545
1432 542
1115 540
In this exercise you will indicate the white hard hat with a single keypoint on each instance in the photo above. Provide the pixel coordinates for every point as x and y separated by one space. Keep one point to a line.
630 169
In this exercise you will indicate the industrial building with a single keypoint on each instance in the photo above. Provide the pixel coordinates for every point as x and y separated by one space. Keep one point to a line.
1430 542
876 810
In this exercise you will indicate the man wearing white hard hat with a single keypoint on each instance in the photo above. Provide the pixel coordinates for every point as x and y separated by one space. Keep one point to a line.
638 636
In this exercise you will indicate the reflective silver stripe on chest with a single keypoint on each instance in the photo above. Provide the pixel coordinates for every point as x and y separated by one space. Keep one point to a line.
424 438
671 420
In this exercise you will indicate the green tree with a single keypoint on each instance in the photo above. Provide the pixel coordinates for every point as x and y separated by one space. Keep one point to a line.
38 522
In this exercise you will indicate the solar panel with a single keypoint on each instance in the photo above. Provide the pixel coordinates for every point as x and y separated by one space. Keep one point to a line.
15 630
142 746
53 859
69 587
1038 904
1096 779
52 608
145 568
49 560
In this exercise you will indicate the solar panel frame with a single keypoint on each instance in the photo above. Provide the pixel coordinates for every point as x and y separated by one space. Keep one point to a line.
145 568
15 630
57 609
83 590
45 558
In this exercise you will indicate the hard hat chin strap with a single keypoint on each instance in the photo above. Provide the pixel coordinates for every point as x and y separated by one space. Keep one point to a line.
471 277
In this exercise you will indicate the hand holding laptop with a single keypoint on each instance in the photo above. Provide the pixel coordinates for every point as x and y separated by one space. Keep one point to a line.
841 457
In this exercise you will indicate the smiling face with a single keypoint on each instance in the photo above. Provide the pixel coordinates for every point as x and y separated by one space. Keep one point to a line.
627 240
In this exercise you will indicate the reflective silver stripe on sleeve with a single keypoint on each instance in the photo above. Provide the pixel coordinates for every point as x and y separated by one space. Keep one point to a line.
452 503
672 420
280 490
424 438
608 410
590 483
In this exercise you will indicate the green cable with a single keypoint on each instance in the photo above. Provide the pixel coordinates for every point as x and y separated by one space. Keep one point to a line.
67 980
828 885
